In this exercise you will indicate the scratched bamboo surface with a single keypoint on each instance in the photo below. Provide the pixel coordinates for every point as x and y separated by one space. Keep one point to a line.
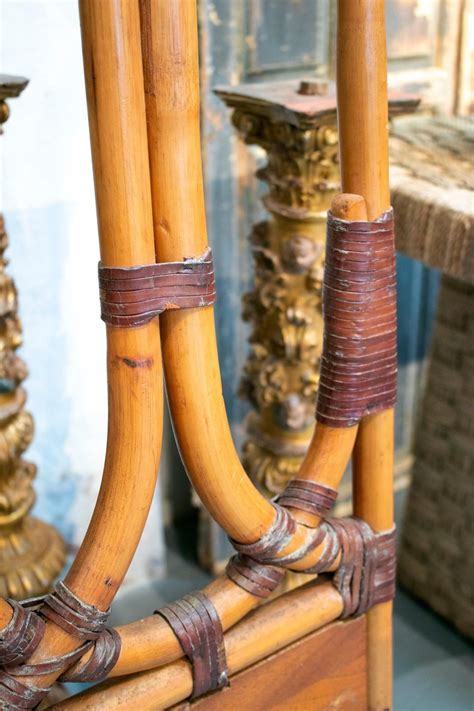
363 139
113 71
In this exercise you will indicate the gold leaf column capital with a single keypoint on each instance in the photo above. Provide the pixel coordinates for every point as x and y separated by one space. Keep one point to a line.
32 553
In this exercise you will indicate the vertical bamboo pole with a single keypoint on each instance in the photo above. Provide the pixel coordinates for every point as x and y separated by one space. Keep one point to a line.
114 83
170 56
363 137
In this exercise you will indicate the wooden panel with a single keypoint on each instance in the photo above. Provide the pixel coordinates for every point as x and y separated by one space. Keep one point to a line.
326 669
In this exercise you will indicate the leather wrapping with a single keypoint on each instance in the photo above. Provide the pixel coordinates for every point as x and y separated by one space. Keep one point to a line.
258 579
308 496
21 636
366 574
359 359
197 626
132 296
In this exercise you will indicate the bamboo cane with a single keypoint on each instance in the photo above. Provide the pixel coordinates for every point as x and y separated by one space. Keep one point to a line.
298 613
101 44
113 71
170 51
363 139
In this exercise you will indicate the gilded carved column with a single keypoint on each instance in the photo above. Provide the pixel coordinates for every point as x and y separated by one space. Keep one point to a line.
32 553
296 125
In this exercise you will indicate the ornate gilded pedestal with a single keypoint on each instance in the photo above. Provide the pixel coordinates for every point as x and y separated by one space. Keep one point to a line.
295 123
32 553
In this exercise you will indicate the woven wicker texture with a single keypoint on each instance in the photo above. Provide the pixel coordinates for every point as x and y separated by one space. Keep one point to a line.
436 561
432 180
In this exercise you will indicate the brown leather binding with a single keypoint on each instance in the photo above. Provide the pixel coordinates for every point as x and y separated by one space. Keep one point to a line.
16 695
267 550
72 614
358 365
308 496
258 579
76 617
366 574
132 296
197 626
21 636
102 660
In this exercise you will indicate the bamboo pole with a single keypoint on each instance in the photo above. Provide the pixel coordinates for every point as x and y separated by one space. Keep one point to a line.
363 139
170 53
114 83
298 613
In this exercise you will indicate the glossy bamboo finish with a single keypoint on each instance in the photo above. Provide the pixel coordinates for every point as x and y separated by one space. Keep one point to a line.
150 642
170 49
363 138
298 613
6 613
113 71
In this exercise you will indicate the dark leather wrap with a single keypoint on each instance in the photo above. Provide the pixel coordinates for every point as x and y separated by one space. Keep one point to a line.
258 579
21 636
80 620
14 694
102 660
308 496
197 626
268 549
366 574
359 360
73 615
131 296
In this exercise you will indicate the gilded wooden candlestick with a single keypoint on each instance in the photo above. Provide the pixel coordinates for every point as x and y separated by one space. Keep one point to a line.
32 553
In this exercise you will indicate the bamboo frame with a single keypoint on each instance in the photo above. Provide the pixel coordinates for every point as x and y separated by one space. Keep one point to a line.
113 69
170 51
153 115
363 137
298 613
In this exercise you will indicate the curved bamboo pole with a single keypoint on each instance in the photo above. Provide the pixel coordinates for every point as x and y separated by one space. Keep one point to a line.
298 613
363 139
113 71
170 53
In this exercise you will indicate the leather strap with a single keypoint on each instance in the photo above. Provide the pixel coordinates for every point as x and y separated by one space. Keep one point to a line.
132 296
102 660
267 550
73 615
359 360
197 626
308 496
258 579
366 574
14 694
21 636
